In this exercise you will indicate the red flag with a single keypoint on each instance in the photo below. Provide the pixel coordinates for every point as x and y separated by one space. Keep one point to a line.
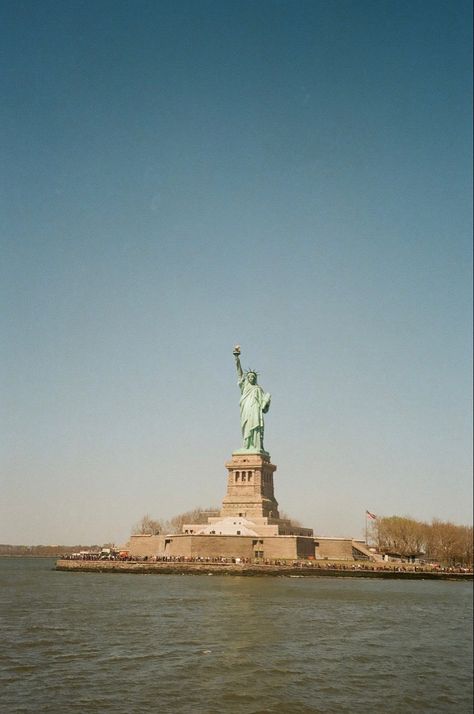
371 515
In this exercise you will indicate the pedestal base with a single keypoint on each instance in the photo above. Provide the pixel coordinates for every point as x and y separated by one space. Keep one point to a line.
250 486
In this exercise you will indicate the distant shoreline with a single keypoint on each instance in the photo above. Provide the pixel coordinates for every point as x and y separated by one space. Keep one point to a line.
247 570
56 555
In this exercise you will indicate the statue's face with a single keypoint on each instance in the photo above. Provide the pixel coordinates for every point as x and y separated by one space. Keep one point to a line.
252 377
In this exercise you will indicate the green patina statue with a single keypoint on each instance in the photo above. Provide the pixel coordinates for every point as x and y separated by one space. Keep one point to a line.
254 403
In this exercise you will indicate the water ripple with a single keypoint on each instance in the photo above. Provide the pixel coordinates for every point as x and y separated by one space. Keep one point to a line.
91 643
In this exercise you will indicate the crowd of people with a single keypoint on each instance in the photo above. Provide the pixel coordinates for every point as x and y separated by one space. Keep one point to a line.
316 564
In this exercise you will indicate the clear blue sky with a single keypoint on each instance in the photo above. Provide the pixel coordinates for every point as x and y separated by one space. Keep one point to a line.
178 177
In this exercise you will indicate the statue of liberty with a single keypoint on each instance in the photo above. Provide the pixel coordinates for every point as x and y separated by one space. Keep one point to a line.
254 403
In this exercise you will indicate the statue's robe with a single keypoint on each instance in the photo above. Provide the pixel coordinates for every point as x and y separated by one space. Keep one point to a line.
254 403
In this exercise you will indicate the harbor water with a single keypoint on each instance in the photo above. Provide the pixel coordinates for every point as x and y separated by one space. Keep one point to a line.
183 644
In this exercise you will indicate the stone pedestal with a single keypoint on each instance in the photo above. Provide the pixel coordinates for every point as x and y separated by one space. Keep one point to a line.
250 487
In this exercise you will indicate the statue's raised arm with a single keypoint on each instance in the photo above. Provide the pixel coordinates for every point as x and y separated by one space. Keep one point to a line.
254 403
236 354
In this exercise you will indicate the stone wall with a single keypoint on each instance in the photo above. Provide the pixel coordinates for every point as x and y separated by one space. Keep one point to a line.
389 571
209 546
226 546
334 548
285 547
149 545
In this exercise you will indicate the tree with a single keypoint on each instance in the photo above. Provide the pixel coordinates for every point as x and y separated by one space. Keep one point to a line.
401 535
197 515
467 545
446 542
148 526
449 543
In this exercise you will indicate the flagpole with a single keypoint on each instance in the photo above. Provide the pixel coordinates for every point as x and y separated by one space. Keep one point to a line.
372 517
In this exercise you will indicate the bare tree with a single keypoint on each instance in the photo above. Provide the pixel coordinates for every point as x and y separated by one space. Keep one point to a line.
401 535
148 526
197 515
446 542
449 543
467 545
